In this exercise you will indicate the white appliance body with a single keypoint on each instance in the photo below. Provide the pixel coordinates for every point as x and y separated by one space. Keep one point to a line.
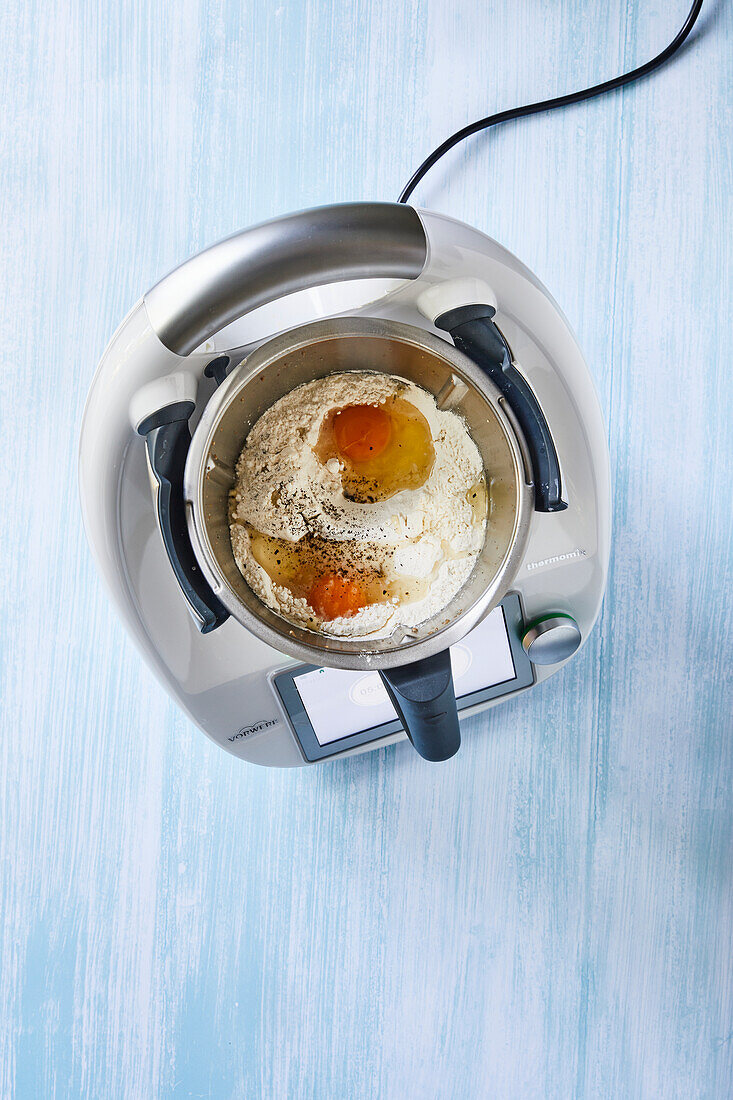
223 680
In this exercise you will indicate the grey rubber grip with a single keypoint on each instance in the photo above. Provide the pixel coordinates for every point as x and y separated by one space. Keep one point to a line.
327 244
167 437
474 332
422 693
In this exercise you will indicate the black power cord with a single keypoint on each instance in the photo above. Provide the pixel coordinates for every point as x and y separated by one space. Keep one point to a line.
551 104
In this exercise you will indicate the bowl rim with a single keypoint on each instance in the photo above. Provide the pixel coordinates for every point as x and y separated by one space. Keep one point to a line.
290 639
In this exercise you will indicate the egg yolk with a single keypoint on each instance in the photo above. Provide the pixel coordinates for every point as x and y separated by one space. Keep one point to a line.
334 595
361 431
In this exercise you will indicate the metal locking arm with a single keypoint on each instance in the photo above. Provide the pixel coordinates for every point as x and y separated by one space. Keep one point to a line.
327 244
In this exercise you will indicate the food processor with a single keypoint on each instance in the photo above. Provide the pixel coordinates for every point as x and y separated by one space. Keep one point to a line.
203 353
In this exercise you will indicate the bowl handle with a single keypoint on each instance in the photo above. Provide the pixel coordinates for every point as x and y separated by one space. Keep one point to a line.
422 694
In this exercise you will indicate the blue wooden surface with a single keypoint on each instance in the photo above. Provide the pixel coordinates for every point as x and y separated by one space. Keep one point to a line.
548 915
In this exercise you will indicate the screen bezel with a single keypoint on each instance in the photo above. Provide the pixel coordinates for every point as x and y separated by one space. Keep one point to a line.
283 683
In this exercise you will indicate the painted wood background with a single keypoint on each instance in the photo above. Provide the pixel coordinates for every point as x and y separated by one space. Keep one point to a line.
551 913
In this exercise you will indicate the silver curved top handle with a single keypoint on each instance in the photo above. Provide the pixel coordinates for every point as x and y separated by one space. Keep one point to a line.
323 245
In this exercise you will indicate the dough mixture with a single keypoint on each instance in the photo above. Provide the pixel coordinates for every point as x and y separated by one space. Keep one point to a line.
359 507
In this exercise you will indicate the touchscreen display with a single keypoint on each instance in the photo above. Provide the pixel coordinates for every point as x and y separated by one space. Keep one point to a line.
340 703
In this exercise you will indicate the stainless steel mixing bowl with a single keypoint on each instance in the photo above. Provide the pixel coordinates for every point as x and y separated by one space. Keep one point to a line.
313 351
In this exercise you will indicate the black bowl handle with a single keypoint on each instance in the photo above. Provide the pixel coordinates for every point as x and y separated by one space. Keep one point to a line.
473 331
423 696
167 439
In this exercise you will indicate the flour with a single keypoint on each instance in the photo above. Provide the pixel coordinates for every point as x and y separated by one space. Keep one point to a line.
432 535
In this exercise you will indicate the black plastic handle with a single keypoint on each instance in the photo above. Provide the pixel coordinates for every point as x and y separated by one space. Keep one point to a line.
473 331
167 438
423 696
